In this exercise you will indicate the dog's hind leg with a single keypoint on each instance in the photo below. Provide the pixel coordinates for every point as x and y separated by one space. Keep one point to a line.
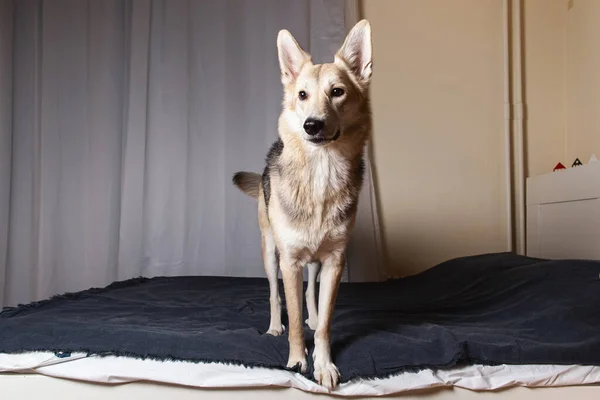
311 294
271 268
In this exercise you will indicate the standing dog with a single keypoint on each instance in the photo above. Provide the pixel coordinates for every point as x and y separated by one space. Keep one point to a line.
308 192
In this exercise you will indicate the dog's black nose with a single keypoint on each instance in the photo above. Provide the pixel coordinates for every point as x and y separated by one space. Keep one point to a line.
313 126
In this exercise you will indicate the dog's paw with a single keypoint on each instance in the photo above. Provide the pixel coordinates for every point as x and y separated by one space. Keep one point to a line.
312 323
327 374
301 360
276 331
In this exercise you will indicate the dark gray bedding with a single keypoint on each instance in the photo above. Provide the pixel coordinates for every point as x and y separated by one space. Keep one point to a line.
490 309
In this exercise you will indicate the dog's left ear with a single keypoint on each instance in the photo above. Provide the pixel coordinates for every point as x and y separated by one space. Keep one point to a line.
356 52
291 57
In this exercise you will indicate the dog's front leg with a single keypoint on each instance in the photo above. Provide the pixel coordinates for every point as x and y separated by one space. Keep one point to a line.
326 373
291 272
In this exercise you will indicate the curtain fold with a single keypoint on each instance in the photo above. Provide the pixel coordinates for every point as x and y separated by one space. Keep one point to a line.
6 83
121 125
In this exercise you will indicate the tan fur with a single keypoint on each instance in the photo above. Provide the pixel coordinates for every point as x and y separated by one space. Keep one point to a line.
313 188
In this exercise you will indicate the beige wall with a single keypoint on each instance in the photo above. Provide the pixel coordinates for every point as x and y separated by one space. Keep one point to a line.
544 29
583 80
437 107
438 128
562 67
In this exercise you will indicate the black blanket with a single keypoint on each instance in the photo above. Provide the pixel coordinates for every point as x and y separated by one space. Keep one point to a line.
489 309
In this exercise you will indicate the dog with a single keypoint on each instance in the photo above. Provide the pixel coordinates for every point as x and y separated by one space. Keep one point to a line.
308 193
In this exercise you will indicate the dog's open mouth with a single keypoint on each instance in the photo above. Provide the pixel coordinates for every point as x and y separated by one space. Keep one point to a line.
322 140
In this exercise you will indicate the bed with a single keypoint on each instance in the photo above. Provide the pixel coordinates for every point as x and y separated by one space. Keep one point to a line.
492 325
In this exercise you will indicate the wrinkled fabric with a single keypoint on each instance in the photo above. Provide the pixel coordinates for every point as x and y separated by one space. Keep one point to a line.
488 309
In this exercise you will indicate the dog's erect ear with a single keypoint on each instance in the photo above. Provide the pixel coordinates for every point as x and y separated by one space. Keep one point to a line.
356 52
291 57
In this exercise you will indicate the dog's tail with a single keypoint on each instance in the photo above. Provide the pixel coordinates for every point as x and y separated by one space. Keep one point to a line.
248 182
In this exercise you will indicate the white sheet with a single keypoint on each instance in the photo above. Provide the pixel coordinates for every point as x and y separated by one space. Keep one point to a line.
116 370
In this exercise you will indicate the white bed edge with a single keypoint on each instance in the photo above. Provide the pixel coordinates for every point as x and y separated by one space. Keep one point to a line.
119 370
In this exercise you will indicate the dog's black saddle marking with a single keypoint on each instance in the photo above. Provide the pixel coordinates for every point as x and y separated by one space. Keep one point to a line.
271 160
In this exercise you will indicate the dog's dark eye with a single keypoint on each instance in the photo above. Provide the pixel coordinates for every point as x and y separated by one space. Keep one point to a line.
302 95
337 92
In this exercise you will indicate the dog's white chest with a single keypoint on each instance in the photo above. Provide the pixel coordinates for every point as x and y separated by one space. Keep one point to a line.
317 231
323 174
310 244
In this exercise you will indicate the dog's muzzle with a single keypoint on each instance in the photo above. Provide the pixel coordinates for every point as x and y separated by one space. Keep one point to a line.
321 139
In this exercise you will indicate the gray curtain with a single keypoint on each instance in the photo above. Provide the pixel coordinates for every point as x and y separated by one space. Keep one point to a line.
121 123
